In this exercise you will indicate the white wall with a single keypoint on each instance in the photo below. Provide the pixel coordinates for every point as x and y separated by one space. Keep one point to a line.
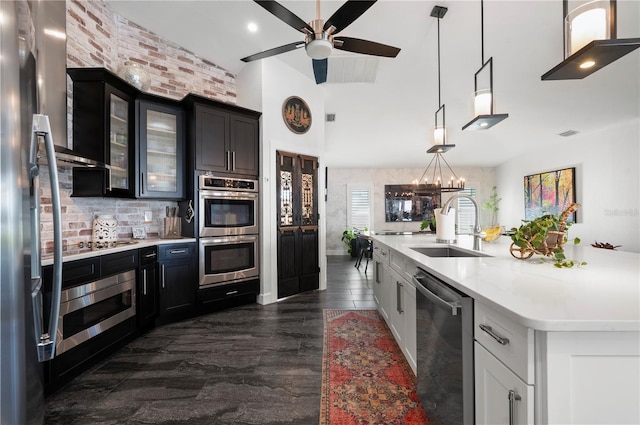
481 179
277 82
607 181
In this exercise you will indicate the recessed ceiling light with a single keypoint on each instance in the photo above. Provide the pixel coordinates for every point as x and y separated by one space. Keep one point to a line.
587 64
252 27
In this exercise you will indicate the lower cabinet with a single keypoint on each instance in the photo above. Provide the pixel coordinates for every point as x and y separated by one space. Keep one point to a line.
177 280
147 288
500 396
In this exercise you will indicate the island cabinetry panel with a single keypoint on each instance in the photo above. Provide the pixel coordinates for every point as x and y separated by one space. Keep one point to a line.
402 315
103 130
589 377
224 138
161 159
177 280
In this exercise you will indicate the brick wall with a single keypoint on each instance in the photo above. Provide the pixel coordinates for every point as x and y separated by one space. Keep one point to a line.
98 37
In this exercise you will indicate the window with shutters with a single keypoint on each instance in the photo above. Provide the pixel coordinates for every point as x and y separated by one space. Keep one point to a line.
359 207
466 215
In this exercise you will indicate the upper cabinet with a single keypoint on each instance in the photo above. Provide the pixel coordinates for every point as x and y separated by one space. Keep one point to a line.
103 129
160 148
138 135
223 138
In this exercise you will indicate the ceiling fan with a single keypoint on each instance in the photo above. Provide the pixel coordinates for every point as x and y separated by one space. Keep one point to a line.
320 37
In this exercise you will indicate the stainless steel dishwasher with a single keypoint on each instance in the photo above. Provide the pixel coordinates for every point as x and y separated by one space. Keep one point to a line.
444 320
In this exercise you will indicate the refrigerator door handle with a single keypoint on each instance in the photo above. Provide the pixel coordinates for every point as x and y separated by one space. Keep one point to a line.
46 341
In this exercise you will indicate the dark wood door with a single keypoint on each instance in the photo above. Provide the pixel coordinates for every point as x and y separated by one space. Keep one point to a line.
298 264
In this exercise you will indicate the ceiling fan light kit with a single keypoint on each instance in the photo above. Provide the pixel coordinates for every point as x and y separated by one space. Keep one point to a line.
319 35
483 98
590 43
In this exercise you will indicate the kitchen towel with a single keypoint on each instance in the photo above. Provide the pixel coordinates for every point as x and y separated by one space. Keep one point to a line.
446 226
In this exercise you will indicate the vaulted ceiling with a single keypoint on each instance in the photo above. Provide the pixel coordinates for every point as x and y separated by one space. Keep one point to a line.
389 123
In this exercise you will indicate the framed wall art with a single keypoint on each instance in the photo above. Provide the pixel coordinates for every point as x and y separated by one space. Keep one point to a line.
550 192
296 115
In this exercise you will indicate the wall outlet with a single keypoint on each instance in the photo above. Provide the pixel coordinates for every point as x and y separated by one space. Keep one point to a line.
148 216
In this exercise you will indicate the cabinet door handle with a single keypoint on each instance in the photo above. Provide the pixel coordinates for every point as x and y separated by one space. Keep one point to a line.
489 330
109 188
141 182
153 254
233 161
144 281
228 167
398 297
232 292
513 397
177 251
377 272
163 276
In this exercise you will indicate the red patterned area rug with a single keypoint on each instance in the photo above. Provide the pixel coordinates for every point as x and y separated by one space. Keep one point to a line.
365 377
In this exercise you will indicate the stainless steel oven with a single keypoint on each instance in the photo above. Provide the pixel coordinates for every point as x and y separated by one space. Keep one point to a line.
228 259
88 310
227 206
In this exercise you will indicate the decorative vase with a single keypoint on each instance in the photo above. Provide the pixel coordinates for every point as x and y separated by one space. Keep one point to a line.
105 231
135 75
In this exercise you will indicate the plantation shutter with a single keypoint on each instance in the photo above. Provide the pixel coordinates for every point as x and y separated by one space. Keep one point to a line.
466 216
359 207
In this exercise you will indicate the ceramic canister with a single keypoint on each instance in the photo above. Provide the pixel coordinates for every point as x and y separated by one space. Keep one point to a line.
105 230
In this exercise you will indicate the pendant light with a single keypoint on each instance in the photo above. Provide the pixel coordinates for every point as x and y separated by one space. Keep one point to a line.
483 98
440 146
590 43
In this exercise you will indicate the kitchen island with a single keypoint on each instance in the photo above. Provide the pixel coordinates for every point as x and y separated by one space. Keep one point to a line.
564 342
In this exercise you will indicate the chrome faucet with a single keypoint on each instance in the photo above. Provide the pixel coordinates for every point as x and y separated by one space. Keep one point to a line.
478 234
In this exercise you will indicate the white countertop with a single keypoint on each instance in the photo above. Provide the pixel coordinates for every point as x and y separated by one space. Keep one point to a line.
604 295
79 254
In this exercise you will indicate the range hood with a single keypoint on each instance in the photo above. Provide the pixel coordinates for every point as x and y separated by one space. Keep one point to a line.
66 158
51 70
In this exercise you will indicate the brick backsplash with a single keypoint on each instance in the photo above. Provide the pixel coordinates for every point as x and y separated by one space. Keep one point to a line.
98 37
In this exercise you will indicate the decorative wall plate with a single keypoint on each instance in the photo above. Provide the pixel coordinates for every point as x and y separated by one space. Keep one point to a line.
296 115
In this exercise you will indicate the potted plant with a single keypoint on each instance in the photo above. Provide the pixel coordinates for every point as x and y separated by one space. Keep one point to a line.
544 235
350 238
494 229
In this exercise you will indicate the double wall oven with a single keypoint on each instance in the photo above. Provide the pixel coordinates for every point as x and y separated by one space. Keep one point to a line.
228 230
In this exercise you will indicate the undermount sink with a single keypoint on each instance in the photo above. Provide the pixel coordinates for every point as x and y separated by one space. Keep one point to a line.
448 251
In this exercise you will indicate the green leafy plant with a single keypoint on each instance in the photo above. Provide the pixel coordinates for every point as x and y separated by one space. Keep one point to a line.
544 235
348 236
492 205
429 223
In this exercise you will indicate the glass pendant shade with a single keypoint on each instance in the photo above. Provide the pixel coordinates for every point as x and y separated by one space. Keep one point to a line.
438 135
586 23
482 102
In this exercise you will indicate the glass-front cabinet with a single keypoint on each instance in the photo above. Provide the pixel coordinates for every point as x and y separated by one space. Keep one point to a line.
161 149
103 129
119 142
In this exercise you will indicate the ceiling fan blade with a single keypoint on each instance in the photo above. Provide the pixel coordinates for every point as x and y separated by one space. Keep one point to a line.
275 51
366 47
348 12
285 15
320 70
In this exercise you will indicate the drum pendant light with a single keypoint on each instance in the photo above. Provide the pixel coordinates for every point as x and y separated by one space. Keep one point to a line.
483 98
590 42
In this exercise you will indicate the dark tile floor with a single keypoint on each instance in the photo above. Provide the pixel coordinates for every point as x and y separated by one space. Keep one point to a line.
248 365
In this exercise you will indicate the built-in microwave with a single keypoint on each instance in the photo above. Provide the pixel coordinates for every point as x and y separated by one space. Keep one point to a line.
227 206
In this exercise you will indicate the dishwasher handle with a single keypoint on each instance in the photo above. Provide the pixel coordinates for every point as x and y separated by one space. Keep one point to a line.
454 306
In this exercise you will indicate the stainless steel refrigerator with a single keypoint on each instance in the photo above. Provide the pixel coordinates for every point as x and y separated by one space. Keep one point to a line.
24 345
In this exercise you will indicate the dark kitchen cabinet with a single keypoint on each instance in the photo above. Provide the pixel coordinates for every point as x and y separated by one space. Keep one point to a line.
160 148
297 239
103 130
147 288
177 280
223 138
